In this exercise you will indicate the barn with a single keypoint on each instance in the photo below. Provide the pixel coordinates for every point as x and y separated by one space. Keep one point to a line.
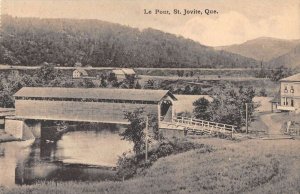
91 104
125 73
120 75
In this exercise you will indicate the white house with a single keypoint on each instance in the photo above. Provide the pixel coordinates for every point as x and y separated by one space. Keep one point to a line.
290 93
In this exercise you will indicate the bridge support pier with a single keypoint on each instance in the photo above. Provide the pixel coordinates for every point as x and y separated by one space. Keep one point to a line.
23 129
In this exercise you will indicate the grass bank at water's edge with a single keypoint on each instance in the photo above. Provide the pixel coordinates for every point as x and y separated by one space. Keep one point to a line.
253 166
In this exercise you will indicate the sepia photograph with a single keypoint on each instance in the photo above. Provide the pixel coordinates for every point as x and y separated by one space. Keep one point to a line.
149 96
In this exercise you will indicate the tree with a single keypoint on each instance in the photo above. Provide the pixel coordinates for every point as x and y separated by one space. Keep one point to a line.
150 84
135 130
201 109
129 82
191 73
47 73
262 72
88 83
263 92
78 64
112 77
103 83
279 73
180 73
228 105
62 82
138 85
10 84
197 90
7 57
187 89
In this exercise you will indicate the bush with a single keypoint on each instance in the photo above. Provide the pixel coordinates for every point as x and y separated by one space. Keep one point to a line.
263 92
164 150
128 166
153 157
183 146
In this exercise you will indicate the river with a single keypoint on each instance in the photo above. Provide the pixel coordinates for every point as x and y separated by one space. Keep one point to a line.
80 155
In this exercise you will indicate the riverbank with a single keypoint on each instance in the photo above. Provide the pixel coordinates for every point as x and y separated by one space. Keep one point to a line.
5 137
246 166
253 166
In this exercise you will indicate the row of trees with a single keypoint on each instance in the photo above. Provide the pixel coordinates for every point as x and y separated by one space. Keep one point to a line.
274 74
228 105
48 76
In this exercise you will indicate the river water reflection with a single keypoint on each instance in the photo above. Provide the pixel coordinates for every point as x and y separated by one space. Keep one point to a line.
79 155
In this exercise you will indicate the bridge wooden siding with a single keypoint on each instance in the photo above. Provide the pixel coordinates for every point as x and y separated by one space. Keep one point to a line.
197 126
105 105
106 112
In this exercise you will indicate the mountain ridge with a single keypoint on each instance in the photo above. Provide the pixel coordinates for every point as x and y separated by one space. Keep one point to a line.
32 41
266 49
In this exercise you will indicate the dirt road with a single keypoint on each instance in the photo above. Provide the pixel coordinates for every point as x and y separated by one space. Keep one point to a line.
273 126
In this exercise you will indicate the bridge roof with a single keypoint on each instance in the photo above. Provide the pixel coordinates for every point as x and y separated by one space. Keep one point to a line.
95 93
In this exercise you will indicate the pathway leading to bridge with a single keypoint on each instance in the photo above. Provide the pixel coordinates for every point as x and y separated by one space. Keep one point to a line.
274 126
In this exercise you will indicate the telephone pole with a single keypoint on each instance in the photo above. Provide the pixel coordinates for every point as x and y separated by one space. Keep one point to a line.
146 140
246 118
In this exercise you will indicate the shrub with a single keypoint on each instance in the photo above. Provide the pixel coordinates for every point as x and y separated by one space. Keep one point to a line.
263 92
153 157
129 165
164 150
180 145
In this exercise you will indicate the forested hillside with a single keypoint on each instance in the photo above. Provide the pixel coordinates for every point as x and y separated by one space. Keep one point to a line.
32 41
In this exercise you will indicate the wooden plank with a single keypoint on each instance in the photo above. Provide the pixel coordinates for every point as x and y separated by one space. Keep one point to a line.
276 138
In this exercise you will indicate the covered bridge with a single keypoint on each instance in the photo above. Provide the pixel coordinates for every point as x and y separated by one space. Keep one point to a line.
90 104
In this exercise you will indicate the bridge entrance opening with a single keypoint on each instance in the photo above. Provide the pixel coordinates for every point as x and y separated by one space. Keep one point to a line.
166 110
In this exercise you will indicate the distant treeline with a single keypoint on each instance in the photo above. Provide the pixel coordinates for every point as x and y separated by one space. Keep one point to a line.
32 41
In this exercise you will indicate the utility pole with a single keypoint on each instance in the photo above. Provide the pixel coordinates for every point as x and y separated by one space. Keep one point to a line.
146 139
246 118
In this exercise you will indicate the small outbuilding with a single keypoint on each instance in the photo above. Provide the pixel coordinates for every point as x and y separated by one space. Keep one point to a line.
122 74
129 72
275 102
80 73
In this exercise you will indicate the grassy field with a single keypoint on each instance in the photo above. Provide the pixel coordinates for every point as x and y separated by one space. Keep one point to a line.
187 72
251 166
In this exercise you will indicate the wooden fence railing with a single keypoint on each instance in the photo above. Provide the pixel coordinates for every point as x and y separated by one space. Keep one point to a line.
202 125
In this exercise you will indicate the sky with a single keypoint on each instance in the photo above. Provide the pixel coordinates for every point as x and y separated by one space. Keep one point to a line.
236 21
